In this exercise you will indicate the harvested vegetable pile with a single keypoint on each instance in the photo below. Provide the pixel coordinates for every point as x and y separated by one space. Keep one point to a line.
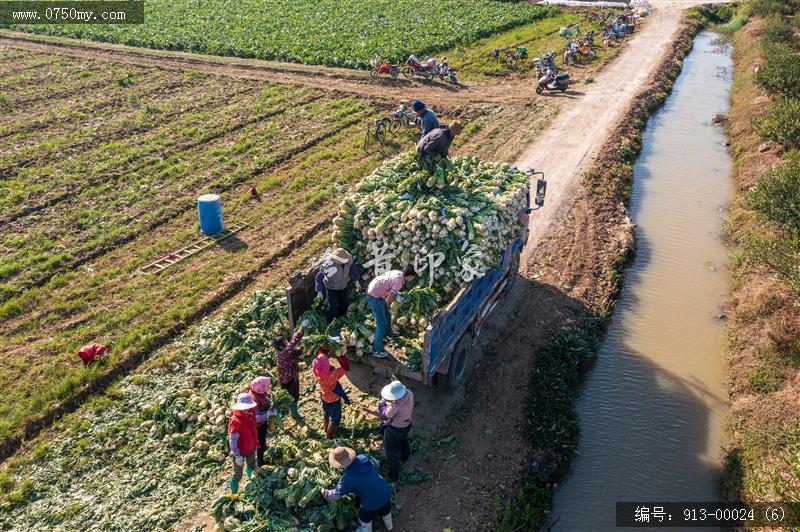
141 456
452 224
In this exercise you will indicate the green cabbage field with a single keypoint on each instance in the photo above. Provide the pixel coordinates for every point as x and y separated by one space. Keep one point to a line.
344 33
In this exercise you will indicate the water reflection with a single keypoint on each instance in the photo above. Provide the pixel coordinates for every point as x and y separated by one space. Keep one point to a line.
653 406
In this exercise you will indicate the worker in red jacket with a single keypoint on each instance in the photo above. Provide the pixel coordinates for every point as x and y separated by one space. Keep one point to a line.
243 439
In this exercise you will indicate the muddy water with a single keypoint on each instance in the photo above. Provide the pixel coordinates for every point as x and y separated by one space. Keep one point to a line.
652 407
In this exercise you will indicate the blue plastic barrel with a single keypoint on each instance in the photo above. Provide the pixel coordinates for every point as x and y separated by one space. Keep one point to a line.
209 208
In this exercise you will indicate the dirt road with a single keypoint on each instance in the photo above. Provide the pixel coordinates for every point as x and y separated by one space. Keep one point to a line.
564 150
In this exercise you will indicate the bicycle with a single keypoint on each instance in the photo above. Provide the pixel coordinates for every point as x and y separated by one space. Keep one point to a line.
510 56
376 132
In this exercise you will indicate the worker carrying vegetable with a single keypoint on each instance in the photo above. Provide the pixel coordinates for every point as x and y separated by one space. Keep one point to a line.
396 407
332 280
436 144
288 371
331 389
427 118
381 292
259 393
243 439
361 478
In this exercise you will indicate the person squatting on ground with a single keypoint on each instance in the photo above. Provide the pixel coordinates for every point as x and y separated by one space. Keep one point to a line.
381 292
259 393
289 353
242 439
361 478
396 408
332 280
331 389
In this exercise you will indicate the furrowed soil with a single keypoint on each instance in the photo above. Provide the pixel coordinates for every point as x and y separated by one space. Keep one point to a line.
52 309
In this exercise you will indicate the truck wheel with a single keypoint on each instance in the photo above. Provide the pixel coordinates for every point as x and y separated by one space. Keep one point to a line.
459 361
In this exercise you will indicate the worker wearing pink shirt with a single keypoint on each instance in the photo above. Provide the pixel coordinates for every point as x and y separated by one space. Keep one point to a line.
382 291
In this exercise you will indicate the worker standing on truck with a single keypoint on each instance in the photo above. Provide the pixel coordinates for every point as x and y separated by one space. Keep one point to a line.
242 439
259 393
396 407
288 371
332 280
361 478
381 292
330 389
427 118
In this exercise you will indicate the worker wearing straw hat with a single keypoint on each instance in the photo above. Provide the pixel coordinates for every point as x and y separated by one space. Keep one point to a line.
361 478
396 407
333 279
242 438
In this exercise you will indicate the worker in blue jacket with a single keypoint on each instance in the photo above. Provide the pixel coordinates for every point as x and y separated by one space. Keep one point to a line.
361 478
427 118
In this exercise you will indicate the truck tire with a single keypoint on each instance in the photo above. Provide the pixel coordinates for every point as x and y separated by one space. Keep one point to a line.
459 362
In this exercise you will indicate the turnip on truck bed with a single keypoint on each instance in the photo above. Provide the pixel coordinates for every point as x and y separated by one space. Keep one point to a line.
462 226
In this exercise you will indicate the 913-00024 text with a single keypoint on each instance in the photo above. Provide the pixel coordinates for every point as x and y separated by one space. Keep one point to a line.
661 514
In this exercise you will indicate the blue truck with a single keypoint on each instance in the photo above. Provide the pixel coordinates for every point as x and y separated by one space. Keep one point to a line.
452 332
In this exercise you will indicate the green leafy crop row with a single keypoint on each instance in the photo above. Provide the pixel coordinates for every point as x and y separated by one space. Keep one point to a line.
329 32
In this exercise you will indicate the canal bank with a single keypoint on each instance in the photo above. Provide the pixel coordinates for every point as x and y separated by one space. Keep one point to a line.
653 405
763 327
583 257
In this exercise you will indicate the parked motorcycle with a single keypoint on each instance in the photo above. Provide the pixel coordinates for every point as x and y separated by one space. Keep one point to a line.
546 61
552 81
415 68
575 51
613 33
446 72
383 67
549 77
